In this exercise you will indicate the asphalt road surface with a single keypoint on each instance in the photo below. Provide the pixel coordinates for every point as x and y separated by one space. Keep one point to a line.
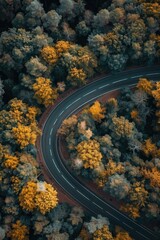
50 152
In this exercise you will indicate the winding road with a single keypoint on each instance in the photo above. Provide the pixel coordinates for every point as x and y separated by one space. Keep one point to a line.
54 163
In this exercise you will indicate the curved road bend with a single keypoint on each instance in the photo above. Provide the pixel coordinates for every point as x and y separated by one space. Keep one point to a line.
50 153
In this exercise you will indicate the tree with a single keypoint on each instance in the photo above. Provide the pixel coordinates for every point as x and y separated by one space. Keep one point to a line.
62 47
123 235
131 210
117 15
51 20
121 127
138 194
116 62
49 54
97 111
19 231
44 93
103 234
149 148
68 125
145 85
89 152
10 161
76 77
35 67
41 196
118 186
101 20
25 135
153 175
76 215
96 223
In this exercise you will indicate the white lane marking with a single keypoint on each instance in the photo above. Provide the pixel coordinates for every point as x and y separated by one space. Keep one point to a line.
82 194
150 74
142 235
112 215
69 105
127 225
55 122
97 205
51 131
89 92
67 181
61 113
137 76
91 100
104 86
50 151
76 100
121 80
50 141
55 165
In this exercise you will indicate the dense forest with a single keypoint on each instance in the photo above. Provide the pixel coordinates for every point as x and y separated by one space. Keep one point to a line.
47 47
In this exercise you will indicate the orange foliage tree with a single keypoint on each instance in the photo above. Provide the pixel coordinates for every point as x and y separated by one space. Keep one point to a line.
132 210
145 85
18 231
49 54
138 194
10 161
89 152
40 195
97 111
44 92
153 175
149 148
103 233
76 76
25 135
122 235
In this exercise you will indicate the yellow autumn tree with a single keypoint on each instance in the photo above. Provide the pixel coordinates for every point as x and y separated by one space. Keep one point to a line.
151 9
156 94
103 233
89 152
19 231
32 112
135 115
97 111
132 210
149 148
153 175
16 184
62 47
40 195
123 235
145 85
76 77
25 135
44 92
49 54
10 161
138 194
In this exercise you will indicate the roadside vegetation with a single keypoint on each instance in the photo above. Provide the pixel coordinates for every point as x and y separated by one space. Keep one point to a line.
46 48
116 145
